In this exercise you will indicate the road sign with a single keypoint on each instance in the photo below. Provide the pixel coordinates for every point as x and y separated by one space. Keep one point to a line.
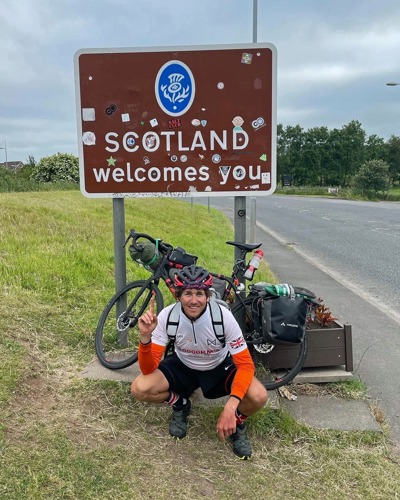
177 121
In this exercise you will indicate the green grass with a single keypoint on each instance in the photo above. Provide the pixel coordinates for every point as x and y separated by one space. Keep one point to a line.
64 437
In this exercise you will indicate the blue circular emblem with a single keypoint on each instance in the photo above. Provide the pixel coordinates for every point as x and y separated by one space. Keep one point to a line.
175 88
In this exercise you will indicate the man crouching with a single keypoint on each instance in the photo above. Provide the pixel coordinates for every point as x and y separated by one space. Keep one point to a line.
200 360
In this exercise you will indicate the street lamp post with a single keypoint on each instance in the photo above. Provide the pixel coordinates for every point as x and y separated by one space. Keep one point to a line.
5 149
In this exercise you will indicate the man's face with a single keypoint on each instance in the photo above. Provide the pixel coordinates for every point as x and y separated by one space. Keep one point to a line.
193 302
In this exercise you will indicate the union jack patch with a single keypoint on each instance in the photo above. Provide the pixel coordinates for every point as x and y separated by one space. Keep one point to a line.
239 342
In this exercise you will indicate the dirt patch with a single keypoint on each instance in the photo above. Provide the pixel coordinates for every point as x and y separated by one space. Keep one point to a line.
40 399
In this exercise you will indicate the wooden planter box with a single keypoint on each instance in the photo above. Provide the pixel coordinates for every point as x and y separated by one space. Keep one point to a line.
329 346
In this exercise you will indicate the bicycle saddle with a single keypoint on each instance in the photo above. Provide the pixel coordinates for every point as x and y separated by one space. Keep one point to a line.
244 246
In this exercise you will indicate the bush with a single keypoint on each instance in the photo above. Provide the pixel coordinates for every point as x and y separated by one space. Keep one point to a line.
59 167
372 178
5 179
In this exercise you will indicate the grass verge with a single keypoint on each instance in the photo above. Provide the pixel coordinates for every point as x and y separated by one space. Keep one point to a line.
66 437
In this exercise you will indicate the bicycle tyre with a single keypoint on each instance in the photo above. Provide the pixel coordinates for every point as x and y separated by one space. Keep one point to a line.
117 340
266 377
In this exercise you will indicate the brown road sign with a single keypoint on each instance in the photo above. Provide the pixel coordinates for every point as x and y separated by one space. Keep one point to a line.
177 121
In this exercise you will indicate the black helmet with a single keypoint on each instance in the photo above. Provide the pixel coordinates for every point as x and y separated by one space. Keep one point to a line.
193 277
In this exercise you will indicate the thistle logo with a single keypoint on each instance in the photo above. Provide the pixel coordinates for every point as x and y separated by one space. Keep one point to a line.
175 88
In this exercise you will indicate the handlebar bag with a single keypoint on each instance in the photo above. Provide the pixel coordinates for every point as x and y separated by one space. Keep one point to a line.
283 319
179 256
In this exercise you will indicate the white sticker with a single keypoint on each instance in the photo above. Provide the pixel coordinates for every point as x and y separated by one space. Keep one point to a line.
195 122
258 123
216 158
154 122
220 85
265 178
88 114
125 117
89 139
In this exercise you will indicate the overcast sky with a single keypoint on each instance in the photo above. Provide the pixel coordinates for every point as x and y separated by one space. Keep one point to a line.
334 58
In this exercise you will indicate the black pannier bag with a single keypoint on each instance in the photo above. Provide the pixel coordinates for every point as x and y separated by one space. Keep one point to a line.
179 256
283 319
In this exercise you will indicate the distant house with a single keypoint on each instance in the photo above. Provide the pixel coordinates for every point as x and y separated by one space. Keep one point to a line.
12 165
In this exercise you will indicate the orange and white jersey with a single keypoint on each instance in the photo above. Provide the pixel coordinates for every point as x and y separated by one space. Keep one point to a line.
196 344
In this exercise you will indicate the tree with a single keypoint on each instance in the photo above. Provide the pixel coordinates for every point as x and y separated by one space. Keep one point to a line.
26 171
30 162
393 158
289 153
372 178
375 148
314 154
353 139
59 167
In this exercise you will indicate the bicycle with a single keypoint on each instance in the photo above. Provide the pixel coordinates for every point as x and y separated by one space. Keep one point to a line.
117 334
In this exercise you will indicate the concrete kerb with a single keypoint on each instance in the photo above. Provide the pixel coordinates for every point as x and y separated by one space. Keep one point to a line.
322 412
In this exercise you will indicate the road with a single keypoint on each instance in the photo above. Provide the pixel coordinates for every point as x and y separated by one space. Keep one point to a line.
344 251
358 243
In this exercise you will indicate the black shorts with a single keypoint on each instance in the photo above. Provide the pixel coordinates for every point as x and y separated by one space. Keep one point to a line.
184 381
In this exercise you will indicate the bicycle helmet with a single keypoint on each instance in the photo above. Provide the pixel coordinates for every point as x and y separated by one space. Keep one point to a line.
193 277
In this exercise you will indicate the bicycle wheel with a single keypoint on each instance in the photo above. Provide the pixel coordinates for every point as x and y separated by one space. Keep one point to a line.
117 333
294 357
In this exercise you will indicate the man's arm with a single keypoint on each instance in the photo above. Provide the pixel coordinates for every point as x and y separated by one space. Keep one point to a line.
149 354
244 375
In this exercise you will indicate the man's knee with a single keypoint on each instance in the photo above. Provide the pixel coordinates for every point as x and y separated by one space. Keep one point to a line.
257 394
261 396
150 387
139 388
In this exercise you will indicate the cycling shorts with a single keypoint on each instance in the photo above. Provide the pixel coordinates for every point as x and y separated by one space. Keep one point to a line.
214 383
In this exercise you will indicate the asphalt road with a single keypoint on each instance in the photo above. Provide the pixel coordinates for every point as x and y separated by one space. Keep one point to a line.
333 247
358 243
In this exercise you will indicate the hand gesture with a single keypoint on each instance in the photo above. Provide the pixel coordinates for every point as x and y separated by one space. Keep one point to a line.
148 321
226 424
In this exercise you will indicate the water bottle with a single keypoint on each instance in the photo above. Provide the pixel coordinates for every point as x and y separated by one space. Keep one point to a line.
253 264
249 274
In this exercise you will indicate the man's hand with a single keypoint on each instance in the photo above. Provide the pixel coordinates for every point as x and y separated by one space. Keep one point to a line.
226 424
147 323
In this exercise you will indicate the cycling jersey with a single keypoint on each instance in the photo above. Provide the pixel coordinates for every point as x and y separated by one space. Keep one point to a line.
198 348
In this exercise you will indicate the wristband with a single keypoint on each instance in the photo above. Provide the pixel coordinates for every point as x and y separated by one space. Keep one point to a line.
145 343
233 396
